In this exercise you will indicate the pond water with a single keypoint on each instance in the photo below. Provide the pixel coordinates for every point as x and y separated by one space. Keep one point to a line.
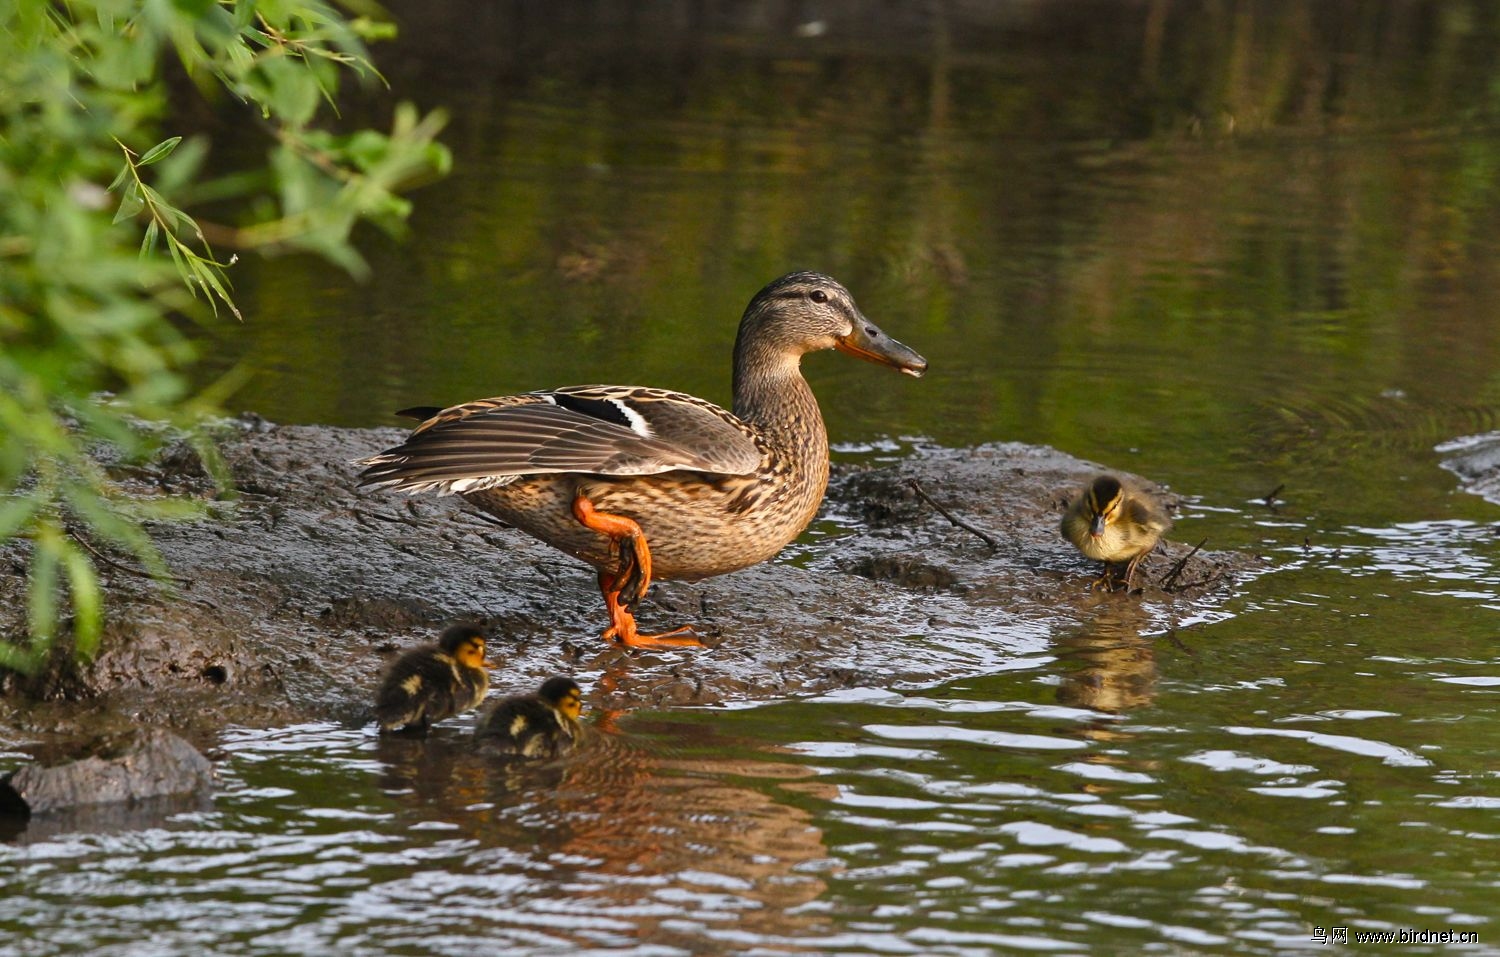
1234 247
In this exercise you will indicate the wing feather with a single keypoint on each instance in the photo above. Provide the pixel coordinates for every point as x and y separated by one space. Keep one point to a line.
602 430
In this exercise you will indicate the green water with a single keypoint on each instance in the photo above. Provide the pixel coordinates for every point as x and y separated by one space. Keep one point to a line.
1230 246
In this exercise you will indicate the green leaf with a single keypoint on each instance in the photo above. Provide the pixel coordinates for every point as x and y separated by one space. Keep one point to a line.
25 660
291 91
160 151
194 8
88 600
244 15
16 513
130 204
41 597
178 174
121 177
87 305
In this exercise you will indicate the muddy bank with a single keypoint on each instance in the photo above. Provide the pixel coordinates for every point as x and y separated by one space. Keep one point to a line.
289 599
1475 459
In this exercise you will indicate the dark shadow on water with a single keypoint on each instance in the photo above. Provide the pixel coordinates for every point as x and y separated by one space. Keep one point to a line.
112 818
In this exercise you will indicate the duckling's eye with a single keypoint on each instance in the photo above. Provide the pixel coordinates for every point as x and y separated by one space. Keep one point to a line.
818 295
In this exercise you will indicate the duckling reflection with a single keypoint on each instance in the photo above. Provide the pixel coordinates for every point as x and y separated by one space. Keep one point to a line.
1111 665
626 811
541 725
1117 523
433 682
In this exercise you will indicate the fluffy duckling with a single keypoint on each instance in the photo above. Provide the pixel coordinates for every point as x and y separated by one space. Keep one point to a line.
541 725
433 682
1115 523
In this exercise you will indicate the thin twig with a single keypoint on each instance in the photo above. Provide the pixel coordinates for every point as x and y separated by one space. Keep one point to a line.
117 565
916 486
485 517
1270 497
1166 583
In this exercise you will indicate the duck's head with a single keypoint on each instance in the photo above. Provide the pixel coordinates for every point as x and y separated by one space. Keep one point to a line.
1105 496
465 643
806 311
563 695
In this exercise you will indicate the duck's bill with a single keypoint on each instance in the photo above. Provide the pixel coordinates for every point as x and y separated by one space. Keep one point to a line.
867 342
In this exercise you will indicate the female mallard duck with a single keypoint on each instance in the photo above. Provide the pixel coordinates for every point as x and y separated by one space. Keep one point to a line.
433 682
1115 523
538 725
599 471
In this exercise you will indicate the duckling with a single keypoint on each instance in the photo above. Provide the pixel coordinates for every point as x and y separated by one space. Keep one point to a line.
1116 523
433 682
544 724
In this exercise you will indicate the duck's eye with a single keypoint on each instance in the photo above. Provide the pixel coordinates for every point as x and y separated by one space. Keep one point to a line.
818 295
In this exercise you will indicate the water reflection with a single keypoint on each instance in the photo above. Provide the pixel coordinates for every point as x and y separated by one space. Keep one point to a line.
109 818
981 814
1110 661
1184 217
663 839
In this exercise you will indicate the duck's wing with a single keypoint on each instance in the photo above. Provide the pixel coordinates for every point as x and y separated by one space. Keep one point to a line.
602 430
1146 512
416 687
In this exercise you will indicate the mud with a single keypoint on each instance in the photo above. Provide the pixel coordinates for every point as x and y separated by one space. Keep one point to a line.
1475 459
290 598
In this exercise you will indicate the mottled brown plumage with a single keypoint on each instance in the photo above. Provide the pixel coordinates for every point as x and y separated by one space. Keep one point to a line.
541 725
433 682
1116 523
601 471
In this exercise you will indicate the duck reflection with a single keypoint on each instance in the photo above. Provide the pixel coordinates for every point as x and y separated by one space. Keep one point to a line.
1110 665
619 820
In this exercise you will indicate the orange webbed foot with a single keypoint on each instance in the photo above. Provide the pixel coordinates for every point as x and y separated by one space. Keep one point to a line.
676 638
622 623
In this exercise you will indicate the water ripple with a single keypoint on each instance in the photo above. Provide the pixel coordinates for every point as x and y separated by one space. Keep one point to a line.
994 739
1388 753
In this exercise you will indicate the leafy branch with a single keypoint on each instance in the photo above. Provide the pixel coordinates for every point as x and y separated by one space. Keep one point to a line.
92 279
166 221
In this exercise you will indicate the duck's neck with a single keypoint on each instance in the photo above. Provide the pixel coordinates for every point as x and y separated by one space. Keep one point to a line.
770 394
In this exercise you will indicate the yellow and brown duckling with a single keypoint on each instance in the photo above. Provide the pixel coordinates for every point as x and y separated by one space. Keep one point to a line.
541 725
433 682
1116 523
599 471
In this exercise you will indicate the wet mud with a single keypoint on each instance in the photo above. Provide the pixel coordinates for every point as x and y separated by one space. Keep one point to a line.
1475 459
288 599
